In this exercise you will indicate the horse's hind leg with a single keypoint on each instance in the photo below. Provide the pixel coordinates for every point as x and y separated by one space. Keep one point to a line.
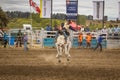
67 49
67 56
58 57
59 60
58 52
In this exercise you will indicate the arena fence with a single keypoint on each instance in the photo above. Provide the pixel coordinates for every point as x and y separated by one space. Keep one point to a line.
1 33
113 41
42 38
48 40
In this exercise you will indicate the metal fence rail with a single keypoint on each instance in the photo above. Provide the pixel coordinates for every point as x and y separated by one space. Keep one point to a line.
46 38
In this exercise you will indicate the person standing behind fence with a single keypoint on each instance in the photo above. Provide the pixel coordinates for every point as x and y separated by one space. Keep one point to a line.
48 28
88 40
99 43
19 39
116 32
80 39
87 29
55 28
110 29
25 40
5 39
82 28
116 29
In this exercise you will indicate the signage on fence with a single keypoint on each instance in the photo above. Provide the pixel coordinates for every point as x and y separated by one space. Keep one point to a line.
49 42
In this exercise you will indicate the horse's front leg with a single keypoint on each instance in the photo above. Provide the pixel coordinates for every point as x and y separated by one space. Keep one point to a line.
58 51
67 50
61 50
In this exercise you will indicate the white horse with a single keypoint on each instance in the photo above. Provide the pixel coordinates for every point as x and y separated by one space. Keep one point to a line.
63 47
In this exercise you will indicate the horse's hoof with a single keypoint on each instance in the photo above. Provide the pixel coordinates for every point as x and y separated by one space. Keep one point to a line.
59 61
68 59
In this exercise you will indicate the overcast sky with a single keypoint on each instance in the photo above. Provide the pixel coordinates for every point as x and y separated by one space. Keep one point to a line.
85 6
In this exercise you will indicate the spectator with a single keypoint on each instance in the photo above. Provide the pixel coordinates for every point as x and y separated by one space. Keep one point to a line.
119 29
79 27
87 29
5 39
104 30
19 39
25 40
99 31
116 29
110 29
99 43
82 28
88 40
80 39
55 28
48 28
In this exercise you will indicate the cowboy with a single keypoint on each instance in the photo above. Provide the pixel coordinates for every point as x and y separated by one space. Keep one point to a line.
64 29
61 31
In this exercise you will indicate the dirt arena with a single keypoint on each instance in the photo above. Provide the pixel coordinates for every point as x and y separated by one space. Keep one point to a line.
41 64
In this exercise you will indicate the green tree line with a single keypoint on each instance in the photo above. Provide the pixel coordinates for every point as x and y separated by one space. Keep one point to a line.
15 19
3 19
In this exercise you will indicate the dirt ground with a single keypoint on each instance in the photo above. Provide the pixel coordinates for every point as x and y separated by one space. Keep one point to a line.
41 64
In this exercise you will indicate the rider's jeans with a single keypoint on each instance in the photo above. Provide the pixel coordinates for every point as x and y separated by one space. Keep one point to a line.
63 34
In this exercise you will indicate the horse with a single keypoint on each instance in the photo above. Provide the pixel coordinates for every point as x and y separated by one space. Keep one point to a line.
63 47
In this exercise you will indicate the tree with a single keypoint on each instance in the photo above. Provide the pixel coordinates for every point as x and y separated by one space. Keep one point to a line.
81 19
3 18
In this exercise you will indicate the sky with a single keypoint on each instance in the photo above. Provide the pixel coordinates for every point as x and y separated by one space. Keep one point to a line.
85 7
